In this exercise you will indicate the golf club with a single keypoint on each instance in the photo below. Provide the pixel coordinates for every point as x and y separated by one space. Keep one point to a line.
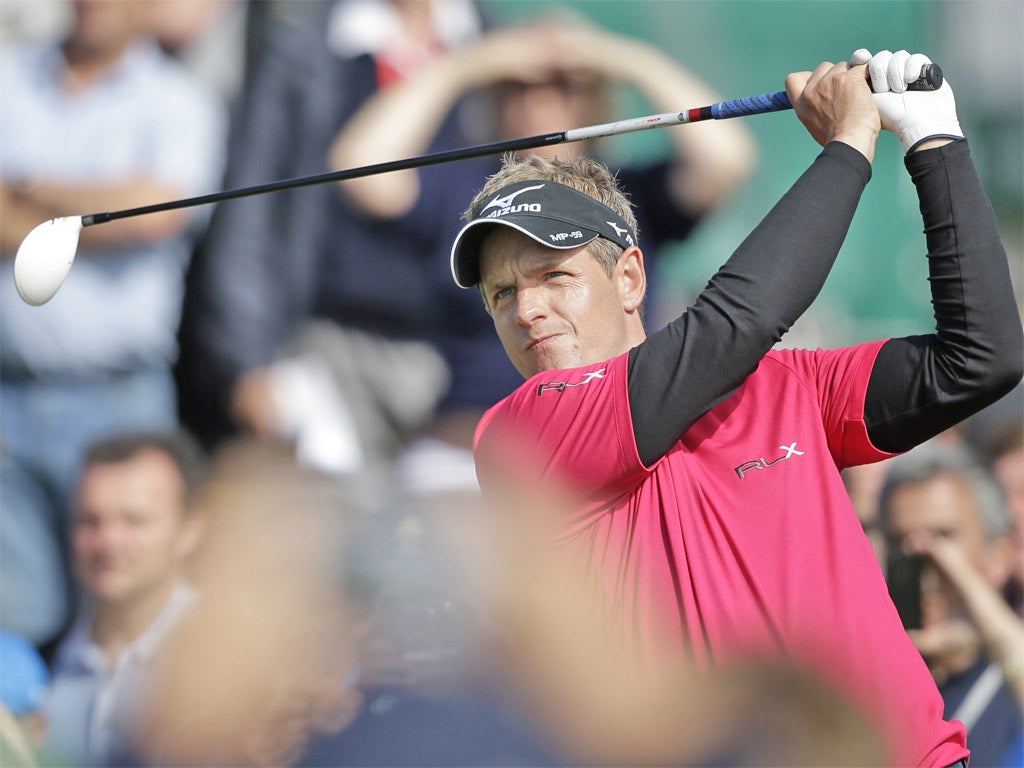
45 256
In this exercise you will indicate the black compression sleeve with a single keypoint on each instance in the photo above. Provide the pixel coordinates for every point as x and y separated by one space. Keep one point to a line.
698 359
923 385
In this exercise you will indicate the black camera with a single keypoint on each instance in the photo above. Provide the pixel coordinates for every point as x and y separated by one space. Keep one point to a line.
903 575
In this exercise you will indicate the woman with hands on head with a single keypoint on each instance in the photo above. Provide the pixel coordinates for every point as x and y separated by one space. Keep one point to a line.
525 80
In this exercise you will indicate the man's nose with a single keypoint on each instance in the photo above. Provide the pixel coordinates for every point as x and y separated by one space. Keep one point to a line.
530 305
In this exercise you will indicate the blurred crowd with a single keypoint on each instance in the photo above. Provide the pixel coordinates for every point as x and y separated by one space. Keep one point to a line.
239 518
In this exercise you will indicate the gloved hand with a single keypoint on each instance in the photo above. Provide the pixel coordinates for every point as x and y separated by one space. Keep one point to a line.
914 116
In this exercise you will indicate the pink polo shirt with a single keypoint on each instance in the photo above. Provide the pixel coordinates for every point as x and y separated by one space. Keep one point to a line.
742 539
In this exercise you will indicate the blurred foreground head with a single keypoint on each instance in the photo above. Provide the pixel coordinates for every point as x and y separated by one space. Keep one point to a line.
263 668
261 663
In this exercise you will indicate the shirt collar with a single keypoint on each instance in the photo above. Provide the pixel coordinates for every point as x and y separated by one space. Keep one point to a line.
80 652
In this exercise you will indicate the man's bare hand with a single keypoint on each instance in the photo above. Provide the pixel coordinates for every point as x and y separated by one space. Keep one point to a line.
834 103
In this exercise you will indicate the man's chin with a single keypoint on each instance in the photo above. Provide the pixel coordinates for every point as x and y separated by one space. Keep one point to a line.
550 359
109 588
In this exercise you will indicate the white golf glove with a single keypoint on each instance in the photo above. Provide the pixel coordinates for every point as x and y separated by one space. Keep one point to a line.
914 116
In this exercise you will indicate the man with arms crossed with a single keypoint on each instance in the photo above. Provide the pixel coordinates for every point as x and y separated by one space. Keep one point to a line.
713 513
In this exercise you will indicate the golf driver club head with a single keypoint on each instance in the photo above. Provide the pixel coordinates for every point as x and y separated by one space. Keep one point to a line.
44 258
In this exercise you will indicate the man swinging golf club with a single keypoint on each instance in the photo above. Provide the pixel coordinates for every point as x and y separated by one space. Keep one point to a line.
713 512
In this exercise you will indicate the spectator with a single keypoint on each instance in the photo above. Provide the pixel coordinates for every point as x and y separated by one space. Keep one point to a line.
327 296
539 78
134 526
211 39
274 668
1006 455
98 121
24 684
267 660
430 697
938 501
997 435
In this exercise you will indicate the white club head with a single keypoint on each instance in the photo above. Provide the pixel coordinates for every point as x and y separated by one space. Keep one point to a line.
44 258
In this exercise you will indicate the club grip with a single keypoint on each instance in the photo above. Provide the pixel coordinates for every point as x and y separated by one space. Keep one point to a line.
930 80
751 105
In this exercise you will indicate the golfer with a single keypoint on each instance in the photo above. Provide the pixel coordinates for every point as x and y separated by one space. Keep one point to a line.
713 512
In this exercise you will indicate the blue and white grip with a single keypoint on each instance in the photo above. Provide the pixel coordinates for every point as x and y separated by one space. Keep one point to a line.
749 105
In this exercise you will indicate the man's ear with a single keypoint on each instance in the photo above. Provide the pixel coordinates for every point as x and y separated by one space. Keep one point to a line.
193 529
631 278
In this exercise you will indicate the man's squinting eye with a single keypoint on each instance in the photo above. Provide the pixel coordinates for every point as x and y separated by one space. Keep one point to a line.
501 293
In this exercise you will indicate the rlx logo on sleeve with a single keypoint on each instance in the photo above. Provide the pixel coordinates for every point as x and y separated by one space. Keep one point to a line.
762 463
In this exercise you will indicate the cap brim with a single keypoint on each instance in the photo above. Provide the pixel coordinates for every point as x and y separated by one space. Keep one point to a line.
465 257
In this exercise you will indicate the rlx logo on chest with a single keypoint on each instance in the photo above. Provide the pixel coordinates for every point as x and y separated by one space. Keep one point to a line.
560 386
758 464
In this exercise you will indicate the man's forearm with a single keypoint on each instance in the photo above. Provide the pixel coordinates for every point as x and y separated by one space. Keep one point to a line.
19 215
922 385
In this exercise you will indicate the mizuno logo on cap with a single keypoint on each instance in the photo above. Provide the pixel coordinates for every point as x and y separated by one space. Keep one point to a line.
506 202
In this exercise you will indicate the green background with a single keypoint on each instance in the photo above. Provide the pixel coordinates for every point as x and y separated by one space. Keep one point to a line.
747 47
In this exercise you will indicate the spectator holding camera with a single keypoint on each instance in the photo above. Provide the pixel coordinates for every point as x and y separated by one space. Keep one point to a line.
940 503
